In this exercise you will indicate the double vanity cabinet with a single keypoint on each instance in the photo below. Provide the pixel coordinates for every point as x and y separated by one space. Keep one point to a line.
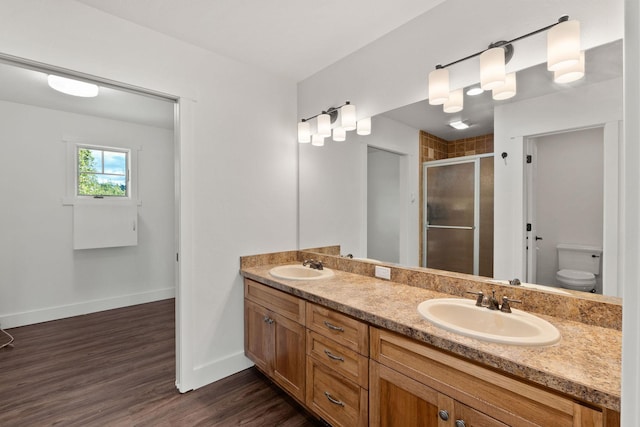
351 372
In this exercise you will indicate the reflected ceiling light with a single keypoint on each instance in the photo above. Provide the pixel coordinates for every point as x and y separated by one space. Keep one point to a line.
474 91
325 125
72 87
455 102
364 126
339 134
438 86
507 90
571 73
563 47
460 125
317 140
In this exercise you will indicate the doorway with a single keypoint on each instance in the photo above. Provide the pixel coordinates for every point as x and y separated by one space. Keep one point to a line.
458 215
564 198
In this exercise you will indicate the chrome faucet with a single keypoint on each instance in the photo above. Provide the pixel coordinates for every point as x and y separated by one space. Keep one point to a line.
312 263
492 303
515 282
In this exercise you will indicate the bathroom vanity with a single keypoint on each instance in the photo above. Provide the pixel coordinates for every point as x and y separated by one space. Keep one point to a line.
353 349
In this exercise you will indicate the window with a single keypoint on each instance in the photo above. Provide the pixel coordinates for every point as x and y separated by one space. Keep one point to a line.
102 172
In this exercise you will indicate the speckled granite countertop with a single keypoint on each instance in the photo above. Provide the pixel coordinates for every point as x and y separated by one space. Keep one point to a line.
586 363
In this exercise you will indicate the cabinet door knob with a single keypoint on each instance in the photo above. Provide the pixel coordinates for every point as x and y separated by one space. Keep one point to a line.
444 415
268 320
460 423
332 400
333 327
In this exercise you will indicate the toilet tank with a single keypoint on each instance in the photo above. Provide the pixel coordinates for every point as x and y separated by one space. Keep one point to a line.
579 257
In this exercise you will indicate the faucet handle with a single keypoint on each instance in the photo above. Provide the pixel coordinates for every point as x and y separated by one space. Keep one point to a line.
480 298
506 307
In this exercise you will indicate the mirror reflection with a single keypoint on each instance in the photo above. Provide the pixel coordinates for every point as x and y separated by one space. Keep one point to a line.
418 192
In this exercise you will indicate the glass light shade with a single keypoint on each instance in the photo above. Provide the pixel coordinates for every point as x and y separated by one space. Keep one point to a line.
507 90
563 45
324 125
72 87
348 117
572 73
438 86
455 102
339 134
364 126
492 71
304 132
317 140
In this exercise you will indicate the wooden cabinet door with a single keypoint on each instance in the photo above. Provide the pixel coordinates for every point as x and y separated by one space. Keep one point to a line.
288 363
396 400
258 341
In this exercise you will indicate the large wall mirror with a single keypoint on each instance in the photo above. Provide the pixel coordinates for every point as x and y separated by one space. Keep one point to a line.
418 192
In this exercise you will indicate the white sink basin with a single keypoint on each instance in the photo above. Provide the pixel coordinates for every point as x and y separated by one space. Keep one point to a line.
299 272
463 317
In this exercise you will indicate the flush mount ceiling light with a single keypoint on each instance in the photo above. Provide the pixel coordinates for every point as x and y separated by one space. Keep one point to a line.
325 125
459 125
563 52
72 87
474 91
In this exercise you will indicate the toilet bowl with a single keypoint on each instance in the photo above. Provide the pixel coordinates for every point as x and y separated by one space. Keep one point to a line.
576 280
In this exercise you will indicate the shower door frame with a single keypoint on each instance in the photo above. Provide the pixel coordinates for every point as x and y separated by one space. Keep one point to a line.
475 159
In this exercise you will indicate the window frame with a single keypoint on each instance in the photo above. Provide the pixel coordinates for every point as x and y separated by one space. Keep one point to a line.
127 174
71 194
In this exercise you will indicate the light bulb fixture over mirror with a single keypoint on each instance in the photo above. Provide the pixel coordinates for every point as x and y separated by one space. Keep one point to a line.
72 87
563 52
325 125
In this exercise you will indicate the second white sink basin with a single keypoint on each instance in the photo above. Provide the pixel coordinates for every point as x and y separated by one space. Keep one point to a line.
462 316
300 272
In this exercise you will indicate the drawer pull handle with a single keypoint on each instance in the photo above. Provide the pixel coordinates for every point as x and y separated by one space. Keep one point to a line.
333 327
332 400
333 356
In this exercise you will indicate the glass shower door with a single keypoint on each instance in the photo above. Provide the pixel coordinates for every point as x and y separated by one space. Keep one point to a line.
451 217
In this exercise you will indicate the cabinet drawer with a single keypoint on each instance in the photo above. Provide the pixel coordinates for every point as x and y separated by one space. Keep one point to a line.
504 398
336 399
343 329
346 362
280 302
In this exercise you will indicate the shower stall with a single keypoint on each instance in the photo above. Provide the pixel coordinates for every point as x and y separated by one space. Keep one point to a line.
458 215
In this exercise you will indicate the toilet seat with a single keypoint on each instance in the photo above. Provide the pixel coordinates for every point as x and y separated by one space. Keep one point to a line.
575 279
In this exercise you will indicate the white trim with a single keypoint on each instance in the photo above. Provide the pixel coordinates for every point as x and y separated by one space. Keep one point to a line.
213 371
63 311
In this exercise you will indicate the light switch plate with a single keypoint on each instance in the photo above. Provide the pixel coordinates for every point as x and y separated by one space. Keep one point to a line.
383 272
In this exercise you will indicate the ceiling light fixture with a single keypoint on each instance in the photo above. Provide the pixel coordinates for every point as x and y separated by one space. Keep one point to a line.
563 52
474 91
324 125
460 125
72 87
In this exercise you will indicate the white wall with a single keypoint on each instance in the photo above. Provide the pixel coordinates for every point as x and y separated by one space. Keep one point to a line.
383 205
569 195
41 276
587 106
237 159
333 183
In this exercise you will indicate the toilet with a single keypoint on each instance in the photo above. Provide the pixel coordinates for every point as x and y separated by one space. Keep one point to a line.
578 267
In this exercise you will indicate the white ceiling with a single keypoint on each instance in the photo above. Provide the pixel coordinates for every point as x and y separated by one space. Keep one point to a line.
293 38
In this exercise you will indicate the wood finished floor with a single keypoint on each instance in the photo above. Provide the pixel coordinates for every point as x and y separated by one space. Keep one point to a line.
117 368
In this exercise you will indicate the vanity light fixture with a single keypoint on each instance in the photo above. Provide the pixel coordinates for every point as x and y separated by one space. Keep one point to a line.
563 52
572 73
459 125
72 86
324 125
455 102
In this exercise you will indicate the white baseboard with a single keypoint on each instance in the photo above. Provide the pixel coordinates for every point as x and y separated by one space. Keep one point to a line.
218 369
70 310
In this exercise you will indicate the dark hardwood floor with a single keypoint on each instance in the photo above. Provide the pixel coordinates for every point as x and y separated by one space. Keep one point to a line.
117 368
